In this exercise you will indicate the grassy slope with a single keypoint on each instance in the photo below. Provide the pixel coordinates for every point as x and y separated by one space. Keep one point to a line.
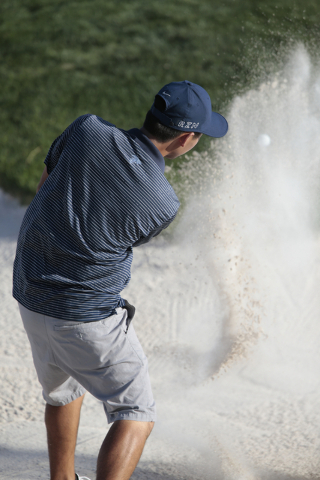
62 59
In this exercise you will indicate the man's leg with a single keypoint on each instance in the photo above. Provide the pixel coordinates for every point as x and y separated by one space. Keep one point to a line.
122 449
62 428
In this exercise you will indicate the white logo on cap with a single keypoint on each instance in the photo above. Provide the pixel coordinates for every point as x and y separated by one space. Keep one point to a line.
165 93
188 124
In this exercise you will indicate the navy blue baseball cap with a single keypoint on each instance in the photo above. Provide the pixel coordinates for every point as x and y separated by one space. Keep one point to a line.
188 109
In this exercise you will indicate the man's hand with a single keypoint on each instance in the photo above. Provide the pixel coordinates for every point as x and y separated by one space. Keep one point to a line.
43 178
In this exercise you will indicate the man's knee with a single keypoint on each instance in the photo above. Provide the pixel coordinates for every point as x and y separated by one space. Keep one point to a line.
149 428
142 429
137 428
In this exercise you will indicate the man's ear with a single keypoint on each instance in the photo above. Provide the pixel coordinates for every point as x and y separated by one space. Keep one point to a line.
183 139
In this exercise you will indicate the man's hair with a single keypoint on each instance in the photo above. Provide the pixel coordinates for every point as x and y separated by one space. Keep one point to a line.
161 132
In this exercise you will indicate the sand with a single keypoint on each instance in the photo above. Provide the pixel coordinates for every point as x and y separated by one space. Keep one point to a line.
227 309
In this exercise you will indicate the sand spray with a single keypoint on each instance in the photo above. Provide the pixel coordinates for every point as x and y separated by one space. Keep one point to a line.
237 288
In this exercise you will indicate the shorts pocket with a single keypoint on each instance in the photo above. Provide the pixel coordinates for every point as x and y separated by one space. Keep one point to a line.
107 324
136 345
76 326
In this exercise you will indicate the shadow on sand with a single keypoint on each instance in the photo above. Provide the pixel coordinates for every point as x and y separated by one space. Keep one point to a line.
18 464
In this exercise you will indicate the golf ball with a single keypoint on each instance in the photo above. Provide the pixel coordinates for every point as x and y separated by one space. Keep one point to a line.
264 140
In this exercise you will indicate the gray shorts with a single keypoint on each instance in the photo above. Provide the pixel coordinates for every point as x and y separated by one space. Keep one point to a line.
100 357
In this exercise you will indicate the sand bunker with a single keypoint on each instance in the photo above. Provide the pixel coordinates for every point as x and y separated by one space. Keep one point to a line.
227 308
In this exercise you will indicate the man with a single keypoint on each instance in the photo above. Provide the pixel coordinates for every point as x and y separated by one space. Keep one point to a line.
102 192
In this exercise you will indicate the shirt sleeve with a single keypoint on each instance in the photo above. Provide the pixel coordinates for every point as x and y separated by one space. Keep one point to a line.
58 145
154 233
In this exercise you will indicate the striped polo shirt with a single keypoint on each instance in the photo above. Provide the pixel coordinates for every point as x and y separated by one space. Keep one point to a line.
105 193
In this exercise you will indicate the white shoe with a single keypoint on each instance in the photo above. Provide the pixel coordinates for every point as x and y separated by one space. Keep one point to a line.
81 478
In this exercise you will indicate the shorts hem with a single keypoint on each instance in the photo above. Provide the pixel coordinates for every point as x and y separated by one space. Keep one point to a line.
138 417
66 400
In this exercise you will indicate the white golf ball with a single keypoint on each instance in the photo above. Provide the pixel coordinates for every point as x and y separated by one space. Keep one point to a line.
264 140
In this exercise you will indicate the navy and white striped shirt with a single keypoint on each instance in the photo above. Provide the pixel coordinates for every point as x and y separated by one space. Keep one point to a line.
105 194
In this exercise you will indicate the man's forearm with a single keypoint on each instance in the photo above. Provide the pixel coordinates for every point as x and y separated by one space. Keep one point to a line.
43 178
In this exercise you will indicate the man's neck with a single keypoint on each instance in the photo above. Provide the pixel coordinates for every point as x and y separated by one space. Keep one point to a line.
162 147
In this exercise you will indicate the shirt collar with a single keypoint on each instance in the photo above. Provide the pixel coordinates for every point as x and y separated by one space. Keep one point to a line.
146 144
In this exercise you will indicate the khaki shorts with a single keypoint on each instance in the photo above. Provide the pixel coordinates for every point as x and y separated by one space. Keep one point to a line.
104 358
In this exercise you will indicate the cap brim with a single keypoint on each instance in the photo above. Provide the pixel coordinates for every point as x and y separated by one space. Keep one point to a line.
218 127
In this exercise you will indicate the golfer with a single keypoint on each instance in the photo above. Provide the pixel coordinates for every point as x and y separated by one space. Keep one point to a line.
102 192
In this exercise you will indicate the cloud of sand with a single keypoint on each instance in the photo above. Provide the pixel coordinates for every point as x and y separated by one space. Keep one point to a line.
255 222
241 273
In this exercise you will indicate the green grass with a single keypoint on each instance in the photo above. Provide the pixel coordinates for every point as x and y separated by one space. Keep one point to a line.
60 59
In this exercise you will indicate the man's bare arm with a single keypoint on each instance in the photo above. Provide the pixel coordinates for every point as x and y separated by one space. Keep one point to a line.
43 178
